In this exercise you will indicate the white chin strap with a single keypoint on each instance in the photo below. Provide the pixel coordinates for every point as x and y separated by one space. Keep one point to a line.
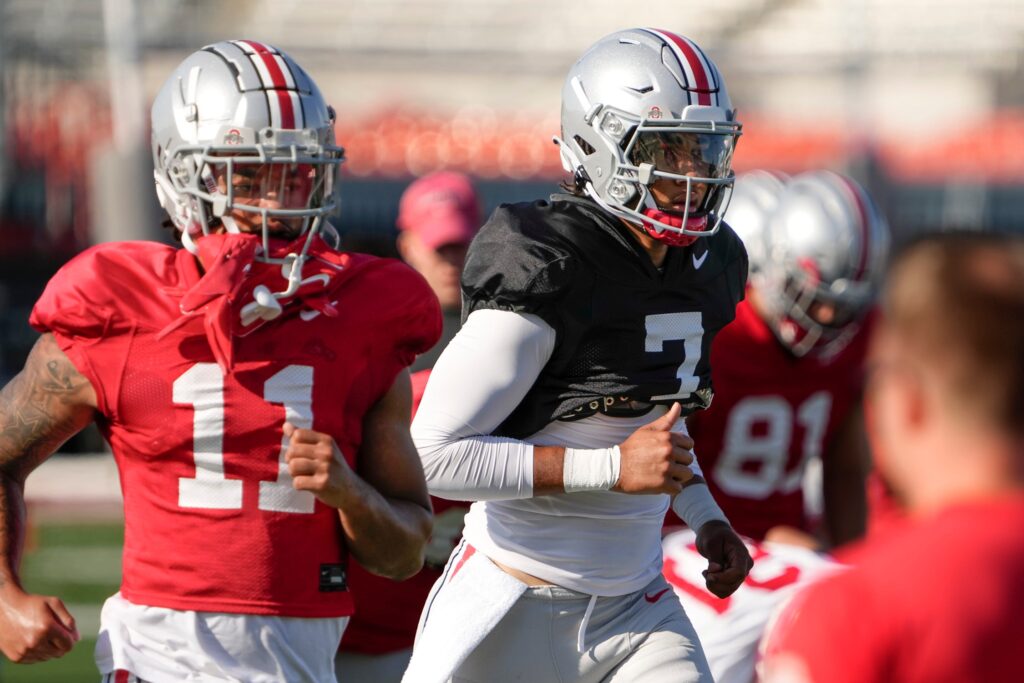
230 225
265 306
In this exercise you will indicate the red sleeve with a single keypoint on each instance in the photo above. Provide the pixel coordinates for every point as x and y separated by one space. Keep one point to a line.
407 316
84 306
419 318
826 634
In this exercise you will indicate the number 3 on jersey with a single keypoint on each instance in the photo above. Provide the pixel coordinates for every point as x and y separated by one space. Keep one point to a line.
202 387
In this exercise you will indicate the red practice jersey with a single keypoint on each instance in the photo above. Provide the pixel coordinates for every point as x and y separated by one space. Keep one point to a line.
387 611
938 600
772 413
212 522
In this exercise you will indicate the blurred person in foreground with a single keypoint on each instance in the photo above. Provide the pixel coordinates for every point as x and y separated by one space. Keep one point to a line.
557 406
253 389
947 430
789 372
437 218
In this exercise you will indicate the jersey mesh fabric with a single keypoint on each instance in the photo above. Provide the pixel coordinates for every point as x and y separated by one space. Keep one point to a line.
212 522
624 330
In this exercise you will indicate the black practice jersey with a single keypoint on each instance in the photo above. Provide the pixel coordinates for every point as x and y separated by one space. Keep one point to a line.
627 333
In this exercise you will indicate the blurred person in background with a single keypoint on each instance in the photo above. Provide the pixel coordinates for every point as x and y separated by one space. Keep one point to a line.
557 406
817 247
788 373
438 216
754 197
252 386
947 430
730 629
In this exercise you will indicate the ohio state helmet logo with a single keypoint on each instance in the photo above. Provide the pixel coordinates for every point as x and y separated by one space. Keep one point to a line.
233 137
654 112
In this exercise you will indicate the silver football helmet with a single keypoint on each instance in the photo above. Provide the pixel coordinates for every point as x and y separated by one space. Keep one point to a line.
826 247
242 135
644 105
755 195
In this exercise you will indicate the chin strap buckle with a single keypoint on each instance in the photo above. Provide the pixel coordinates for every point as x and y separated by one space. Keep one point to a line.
264 307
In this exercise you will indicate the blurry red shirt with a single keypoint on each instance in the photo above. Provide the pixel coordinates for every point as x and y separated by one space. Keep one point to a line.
771 413
934 600
387 612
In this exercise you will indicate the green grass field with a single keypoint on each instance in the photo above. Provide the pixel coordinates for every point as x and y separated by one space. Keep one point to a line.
81 564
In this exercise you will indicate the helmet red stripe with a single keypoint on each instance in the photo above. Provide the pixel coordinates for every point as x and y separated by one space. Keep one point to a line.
697 66
278 83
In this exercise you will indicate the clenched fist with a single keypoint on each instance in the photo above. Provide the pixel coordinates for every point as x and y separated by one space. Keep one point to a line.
729 562
316 465
34 628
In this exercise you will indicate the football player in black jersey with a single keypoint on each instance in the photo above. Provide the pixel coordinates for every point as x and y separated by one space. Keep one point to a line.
558 406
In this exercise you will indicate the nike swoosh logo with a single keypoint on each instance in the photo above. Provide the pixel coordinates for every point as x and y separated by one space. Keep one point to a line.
698 262
656 596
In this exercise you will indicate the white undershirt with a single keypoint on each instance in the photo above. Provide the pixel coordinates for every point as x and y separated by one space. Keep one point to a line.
596 542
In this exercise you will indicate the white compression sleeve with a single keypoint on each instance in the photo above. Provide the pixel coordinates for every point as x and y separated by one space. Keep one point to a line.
481 376
695 506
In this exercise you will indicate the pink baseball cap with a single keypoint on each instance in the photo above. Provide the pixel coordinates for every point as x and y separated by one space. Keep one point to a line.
441 208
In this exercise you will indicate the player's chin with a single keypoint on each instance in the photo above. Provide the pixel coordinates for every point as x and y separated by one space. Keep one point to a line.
284 229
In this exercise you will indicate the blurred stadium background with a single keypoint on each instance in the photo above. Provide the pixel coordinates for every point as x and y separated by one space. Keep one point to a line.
921 100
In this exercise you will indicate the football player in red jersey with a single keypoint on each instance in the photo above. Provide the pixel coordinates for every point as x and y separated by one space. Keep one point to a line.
253 389
438 215
556 408
788 372
948 434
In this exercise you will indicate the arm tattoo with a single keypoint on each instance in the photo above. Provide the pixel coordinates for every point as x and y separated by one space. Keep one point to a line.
42 407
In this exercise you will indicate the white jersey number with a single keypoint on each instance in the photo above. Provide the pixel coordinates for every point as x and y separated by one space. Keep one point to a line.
758 438
689 326
202 387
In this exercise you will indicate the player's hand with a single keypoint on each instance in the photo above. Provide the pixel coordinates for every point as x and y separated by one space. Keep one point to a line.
728 559
317 465
654 459
34 628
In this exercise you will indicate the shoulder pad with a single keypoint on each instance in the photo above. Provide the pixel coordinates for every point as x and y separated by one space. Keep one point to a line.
517 262
94 291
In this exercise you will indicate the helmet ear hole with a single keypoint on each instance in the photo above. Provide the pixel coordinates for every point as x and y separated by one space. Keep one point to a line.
584 146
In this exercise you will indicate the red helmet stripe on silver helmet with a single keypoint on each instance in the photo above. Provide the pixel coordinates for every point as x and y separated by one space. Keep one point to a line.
694 64
277 79
862 223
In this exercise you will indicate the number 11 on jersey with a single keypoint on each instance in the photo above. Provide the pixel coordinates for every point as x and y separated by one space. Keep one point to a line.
202 387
